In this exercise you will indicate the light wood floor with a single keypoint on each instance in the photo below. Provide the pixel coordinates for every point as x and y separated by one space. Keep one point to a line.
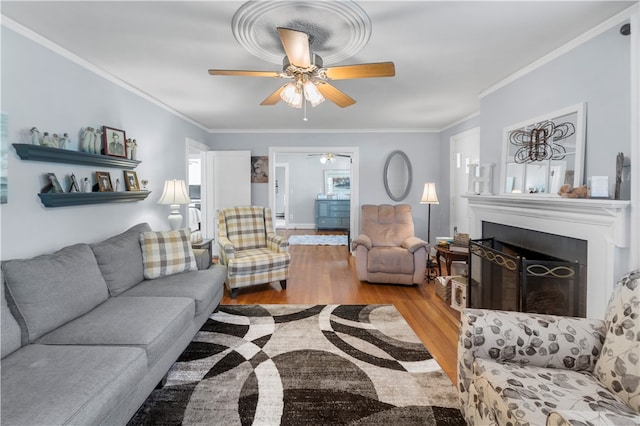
326 275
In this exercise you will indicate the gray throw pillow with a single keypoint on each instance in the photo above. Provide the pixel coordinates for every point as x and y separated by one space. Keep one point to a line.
47 291
120 259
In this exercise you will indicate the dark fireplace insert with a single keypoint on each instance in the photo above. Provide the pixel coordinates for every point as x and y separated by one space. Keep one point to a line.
504 276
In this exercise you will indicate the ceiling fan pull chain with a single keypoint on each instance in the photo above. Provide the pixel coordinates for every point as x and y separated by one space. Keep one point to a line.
304 101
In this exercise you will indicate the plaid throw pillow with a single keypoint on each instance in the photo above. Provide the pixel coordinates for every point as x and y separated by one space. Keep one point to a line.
166 253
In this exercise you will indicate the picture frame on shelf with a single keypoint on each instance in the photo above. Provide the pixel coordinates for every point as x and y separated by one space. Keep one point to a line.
54 184
73 185
131 180
104 182
114 142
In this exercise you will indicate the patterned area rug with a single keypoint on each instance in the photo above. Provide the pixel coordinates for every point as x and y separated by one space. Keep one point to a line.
318 240
304 365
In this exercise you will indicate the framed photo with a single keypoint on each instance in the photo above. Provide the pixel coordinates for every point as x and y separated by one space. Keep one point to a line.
54 184
114 142
73 186
260 169
337 182
104 182
131 180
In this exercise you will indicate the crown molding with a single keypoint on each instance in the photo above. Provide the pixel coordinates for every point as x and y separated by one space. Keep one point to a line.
592 33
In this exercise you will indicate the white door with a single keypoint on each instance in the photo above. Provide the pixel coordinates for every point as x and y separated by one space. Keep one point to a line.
228 184
465 149
282 195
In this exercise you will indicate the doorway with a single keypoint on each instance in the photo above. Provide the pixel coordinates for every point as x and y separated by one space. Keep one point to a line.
281 196
196 164
465 150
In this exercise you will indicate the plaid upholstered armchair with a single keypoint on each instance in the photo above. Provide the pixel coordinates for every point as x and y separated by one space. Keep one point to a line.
250 248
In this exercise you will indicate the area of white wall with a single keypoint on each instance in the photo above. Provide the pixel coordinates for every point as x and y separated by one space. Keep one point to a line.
422 148
44 89
596 72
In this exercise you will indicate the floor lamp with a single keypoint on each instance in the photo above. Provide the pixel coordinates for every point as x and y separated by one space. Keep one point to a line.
429 197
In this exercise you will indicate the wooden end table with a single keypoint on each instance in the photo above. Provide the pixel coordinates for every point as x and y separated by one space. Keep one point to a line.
449 257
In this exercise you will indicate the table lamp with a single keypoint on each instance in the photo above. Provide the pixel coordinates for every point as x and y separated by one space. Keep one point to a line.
174 194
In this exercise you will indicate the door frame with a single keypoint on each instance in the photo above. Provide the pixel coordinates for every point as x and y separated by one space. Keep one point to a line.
285 191
353 151
193 145
452 143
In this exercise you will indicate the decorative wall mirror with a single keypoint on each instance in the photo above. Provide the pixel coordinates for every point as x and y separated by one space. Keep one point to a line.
542 154
398 176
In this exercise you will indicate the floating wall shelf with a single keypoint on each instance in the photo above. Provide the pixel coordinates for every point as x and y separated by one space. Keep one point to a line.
57 155
65 199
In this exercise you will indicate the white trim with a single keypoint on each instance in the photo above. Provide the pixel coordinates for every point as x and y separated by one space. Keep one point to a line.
462 120
592 33
304 131
55 48
634 176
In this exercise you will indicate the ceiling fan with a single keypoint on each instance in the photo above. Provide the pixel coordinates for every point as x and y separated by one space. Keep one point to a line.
328 157
310 78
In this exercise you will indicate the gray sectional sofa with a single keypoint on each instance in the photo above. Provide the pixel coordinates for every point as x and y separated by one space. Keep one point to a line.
86 337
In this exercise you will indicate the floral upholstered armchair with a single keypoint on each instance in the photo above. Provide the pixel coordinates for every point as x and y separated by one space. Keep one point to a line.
529 369
250 248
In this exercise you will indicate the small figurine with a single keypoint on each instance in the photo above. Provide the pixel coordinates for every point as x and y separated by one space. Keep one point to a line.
144 183
134 151
87 140
55 141
117 184
97 141
64 140
35 136
47 140
86 186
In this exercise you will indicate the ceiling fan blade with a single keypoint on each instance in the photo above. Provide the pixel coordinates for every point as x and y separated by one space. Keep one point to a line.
379 69
274 98
296 46
244 73
334 95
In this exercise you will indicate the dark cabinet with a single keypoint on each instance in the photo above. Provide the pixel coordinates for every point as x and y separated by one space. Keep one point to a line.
332 214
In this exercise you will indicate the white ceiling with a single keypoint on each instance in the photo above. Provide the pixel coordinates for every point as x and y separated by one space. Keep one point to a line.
446 53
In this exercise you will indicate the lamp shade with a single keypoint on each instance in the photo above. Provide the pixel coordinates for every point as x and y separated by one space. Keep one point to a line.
175 192
429 195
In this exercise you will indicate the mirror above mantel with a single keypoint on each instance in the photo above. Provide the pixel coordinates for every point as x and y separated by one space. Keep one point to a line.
541 154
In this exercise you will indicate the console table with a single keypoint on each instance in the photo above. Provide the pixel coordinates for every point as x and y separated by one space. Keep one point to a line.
333 214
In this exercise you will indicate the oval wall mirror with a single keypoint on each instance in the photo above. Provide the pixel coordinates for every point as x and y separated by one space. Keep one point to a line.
398 176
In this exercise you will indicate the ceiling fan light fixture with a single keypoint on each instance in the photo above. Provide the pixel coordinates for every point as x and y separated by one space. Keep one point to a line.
328 157
292 95
312 94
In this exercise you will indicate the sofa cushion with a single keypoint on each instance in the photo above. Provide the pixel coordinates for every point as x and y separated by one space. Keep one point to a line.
54 385
201 286
47 291
618 368
152 323
10 333
526 394
120 259
167 252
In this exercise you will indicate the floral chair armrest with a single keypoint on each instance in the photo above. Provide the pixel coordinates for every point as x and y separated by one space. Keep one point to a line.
227 250
529 339
601 418
277 243
361 240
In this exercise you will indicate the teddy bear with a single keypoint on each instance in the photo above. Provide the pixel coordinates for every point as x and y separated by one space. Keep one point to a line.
567 191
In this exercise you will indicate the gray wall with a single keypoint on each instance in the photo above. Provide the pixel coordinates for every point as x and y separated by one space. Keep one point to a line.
596 72
423 150
41 88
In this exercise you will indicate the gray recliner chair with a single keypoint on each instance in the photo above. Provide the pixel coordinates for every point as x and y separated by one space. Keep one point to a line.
387 251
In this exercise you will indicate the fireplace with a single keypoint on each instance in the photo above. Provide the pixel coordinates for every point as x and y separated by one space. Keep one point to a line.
509 277
601 226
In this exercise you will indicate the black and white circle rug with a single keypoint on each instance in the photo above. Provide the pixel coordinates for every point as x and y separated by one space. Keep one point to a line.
304 365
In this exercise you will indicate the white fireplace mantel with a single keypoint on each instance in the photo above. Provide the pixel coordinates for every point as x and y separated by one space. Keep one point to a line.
603 223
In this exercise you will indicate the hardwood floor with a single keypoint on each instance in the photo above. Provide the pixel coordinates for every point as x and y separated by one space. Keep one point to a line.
326 275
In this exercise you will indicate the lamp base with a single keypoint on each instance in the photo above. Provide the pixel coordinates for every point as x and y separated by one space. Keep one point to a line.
175 218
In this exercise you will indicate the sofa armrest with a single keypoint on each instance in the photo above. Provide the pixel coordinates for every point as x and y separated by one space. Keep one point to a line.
203 258
277 243
532 339
413 243
362 240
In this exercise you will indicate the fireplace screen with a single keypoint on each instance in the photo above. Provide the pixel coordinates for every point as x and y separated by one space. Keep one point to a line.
507 277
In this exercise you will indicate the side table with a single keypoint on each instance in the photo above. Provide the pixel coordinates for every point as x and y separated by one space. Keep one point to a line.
449 257
205 244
